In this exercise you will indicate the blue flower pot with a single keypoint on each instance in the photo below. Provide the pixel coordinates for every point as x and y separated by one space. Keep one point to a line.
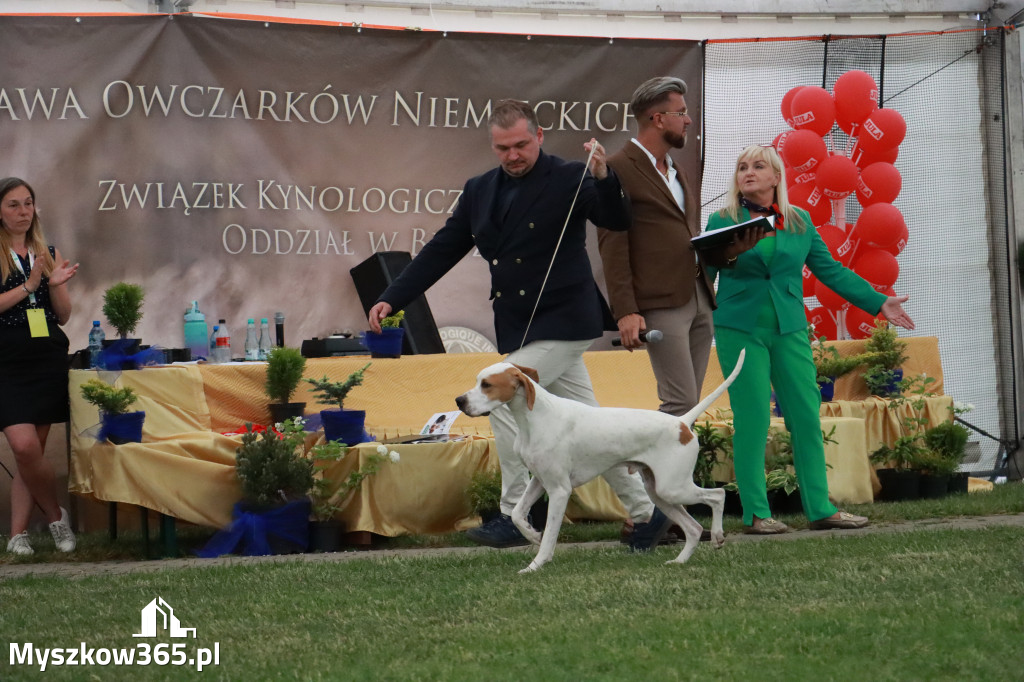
828 390
387 344
122 428
344 426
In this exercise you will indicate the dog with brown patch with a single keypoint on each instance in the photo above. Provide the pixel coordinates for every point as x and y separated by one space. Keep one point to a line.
565 443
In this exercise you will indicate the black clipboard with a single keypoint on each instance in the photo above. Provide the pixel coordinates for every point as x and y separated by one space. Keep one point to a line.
718 238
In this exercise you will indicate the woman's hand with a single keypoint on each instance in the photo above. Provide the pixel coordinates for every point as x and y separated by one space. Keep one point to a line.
61 273
894 312
744 241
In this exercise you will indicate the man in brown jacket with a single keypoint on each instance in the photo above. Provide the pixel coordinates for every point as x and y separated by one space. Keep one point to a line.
654 280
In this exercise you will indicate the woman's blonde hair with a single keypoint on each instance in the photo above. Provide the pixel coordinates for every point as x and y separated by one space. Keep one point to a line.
34 239
756 152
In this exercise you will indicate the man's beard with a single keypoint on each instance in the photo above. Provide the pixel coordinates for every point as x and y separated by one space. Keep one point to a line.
674 140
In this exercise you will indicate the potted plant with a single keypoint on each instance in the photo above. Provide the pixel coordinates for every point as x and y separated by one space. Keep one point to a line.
949 441
117 424
484 494
888 353
388 343
275 477
340 424
284 372
830 365
715 448
122 306
329 497
899 470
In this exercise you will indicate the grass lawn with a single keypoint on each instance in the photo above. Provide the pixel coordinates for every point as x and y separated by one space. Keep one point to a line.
919 605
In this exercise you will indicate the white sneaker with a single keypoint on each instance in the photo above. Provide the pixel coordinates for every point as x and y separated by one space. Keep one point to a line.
61 532
18 544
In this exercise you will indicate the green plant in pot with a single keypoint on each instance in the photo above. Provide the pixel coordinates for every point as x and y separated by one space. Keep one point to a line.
888 354
388 343
122 306
948 441
117 424
285 367
340 424
830 365
484 492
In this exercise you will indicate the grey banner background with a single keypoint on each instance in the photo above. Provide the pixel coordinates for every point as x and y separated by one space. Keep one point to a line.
89 136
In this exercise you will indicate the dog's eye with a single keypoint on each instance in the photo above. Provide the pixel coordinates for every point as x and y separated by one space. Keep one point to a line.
485 384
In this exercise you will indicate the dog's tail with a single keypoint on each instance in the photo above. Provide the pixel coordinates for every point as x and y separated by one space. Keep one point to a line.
692 415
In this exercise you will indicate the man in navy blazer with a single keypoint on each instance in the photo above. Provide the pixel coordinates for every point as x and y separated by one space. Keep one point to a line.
514 215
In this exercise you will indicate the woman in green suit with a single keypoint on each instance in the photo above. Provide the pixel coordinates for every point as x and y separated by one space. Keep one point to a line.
760 308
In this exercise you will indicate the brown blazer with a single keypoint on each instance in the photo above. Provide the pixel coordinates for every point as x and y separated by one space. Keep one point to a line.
652 265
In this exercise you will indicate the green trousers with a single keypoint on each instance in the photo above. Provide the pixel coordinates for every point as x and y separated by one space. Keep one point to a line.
783 361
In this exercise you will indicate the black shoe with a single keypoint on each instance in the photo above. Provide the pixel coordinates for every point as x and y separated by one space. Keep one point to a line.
499 532
646 536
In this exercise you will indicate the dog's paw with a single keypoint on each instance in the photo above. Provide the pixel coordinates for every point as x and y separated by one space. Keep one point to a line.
717 540
533 536
530 569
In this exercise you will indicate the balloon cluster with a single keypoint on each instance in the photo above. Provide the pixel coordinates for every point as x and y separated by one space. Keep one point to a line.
820 182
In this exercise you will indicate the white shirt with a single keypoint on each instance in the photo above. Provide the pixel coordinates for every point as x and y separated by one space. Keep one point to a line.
674 185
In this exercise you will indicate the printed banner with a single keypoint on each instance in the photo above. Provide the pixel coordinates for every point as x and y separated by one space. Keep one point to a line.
249 166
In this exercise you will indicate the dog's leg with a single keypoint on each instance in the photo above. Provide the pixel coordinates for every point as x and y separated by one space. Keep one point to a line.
532 493
715 498
691 528
558 499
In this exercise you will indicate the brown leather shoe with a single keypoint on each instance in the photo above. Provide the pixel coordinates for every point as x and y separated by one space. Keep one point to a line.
841 521
767 526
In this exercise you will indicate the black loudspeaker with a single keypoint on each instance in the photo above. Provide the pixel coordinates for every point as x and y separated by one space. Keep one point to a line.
373 276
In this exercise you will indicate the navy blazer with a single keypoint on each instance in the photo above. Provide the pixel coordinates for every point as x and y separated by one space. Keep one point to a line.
518 252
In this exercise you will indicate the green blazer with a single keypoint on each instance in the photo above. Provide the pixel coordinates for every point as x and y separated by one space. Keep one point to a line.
745 288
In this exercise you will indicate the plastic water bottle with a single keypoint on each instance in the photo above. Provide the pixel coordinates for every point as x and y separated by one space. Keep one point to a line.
223 343
212 357
264 345
195 333
96 337
252 342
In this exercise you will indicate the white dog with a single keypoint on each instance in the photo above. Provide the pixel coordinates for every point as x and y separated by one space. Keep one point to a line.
565 443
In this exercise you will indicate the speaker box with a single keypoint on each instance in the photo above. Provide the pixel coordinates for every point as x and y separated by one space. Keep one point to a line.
373 276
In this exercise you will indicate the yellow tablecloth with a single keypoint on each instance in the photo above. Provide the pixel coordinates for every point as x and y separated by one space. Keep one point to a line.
185 469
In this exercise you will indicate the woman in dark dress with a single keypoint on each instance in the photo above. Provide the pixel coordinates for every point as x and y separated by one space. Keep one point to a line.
34 302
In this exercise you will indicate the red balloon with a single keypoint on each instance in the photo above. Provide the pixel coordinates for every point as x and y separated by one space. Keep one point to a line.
837 177
879 183
802 150
807 196
794 178
856 95
812 108
896 248
829 298
785 106
883 129
809 280
780 139
864 159
833 238
878 267
880 225
823 322
859 323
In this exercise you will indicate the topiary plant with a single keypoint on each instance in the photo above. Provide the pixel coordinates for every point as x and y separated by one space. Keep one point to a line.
284 372
334 392
109 399
122 306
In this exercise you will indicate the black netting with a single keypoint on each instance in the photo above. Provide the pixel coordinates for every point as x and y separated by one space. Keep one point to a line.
948 87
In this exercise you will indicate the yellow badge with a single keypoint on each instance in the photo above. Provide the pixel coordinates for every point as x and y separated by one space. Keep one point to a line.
37 322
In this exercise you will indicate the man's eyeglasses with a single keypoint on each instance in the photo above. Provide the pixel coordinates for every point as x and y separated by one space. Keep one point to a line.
670 113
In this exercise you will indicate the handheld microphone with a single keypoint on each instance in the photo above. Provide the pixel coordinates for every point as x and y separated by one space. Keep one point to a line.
649 336
279 328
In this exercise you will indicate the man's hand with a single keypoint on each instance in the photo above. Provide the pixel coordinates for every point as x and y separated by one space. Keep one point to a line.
378 313
630 327
598 167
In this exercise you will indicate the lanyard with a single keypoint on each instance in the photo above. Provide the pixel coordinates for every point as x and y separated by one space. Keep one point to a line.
17 264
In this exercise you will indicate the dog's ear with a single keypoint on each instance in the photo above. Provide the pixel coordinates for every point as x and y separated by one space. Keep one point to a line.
524 381
528 371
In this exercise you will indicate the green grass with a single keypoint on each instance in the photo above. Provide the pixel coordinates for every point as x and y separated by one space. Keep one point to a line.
926 605
918 605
